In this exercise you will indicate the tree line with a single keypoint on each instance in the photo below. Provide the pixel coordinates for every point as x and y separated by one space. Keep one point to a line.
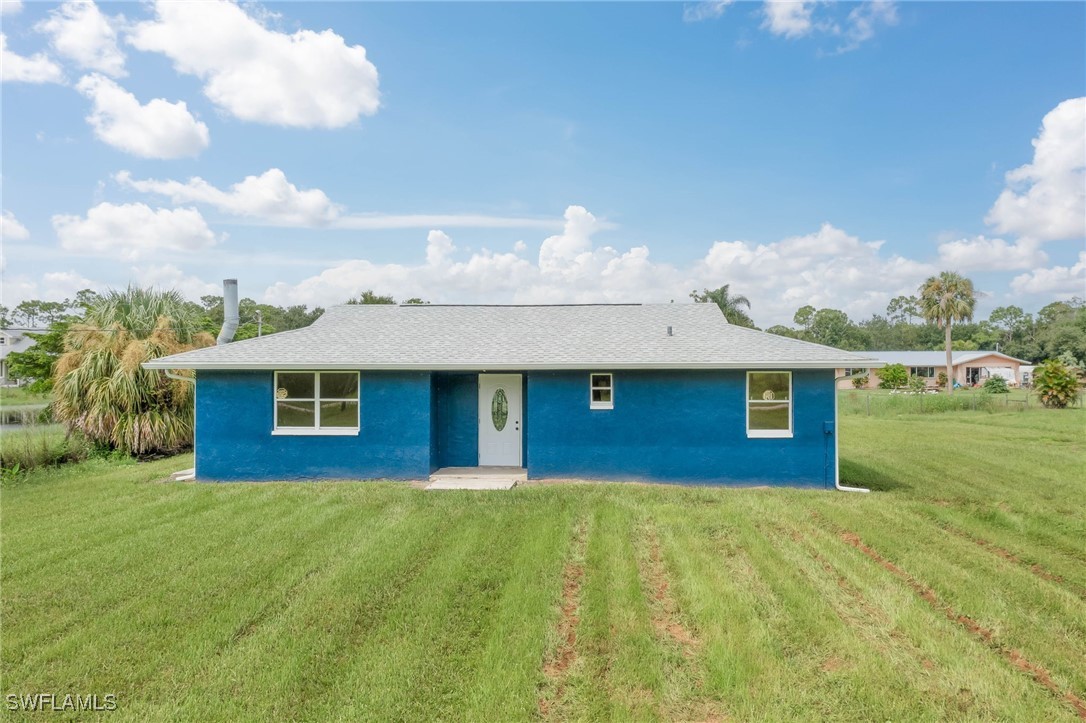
52 321
1057 331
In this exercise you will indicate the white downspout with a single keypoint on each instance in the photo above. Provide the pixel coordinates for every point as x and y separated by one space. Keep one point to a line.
837 436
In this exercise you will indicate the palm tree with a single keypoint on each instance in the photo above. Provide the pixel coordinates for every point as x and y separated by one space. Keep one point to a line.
102 390
729 304
944 299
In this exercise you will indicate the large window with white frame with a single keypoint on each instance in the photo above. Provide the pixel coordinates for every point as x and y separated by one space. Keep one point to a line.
316 403
601 391
769 404
922 372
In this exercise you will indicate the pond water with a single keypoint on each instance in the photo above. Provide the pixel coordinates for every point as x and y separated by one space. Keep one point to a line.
15 417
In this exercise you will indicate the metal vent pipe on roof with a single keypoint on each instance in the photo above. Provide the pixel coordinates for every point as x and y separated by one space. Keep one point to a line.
669 332
230 315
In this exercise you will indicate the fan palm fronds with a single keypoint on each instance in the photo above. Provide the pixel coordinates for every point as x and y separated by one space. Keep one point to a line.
101 387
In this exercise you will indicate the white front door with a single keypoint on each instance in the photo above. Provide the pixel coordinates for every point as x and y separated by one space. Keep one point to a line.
499 420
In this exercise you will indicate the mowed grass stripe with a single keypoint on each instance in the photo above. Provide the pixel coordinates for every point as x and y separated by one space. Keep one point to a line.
1012 656
619 676
310 639
506 677
1044 620
370 600
134 565
928 666
146 630
414 660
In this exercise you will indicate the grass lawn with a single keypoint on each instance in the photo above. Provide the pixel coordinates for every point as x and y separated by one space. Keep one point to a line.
956 590
19 396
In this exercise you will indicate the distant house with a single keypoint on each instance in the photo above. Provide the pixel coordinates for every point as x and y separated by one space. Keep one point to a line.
668 392
13 340
971 368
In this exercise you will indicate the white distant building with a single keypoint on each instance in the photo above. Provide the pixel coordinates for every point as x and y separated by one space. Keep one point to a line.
12 340
971 368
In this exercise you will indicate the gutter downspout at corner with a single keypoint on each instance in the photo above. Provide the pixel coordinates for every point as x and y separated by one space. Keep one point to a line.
837 436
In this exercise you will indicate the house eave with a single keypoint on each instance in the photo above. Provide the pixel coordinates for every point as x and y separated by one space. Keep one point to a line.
567 366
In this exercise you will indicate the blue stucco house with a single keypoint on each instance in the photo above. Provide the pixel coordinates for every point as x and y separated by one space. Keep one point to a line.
665 392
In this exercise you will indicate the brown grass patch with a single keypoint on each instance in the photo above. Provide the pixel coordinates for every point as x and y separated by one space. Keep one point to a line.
664 608
557 665
1014 657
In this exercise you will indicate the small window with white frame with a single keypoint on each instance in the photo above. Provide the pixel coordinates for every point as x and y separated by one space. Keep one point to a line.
316 403
601 391
769 404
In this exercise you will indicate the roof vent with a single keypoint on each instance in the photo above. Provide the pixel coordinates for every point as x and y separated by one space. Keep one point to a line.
669 332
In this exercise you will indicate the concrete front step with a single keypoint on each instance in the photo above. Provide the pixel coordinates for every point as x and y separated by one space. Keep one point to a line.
477 478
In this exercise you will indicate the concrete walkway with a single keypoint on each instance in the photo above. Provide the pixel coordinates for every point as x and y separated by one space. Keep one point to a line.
477 478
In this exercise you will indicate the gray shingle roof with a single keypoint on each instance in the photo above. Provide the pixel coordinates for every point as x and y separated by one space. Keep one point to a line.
517 337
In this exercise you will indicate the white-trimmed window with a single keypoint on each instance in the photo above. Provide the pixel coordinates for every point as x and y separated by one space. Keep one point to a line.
769 404
849 371
922 372
601 391
316 403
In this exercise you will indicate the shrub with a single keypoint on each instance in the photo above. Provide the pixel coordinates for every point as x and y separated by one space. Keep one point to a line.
860 382
36 445
996 385
892 376
917 385
941 380
1055 383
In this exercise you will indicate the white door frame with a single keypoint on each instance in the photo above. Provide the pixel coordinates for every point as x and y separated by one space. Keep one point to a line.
501 448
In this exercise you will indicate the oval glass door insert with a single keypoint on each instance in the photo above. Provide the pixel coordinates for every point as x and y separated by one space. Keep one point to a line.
499 410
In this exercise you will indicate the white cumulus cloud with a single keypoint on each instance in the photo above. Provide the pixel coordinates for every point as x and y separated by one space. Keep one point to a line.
11 229
269 196
159 129
79 31
10 7
65 284
864 21
272 199
306 79
134 230
1046 199
37 68
788 18
168 276
706 10
991 254
827 268
1060 281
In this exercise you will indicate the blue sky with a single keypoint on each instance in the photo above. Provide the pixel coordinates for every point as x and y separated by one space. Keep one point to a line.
826 153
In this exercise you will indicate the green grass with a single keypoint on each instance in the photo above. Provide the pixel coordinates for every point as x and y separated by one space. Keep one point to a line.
378 601
34 445
19 396
882 403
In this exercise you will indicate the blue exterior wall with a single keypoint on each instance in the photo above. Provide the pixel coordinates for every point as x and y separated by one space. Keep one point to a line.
680 426
234 419
456 420
670 426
